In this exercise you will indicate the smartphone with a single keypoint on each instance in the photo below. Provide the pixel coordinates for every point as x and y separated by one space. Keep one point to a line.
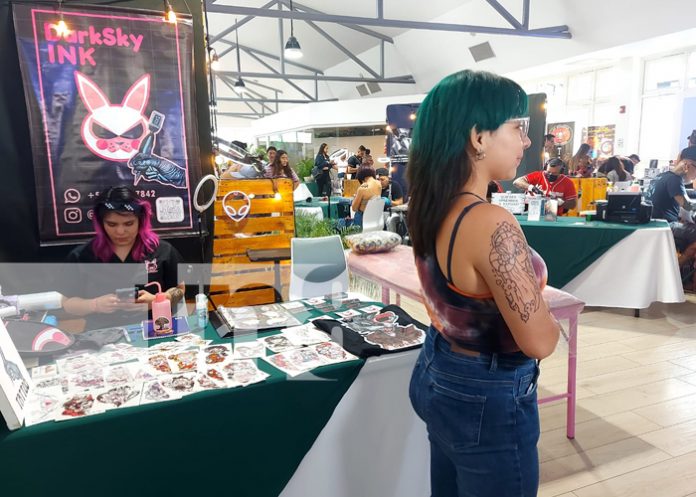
127 294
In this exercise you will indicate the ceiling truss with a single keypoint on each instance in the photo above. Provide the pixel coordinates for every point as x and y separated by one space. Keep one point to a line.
311 17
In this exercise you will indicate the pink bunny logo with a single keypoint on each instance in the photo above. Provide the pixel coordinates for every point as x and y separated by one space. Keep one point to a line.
113 132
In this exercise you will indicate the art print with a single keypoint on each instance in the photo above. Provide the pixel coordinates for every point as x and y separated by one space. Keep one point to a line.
249 350
278 343
153 391
121 396
396 337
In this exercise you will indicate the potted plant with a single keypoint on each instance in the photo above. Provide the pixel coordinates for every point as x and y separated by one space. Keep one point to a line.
303 169
309 226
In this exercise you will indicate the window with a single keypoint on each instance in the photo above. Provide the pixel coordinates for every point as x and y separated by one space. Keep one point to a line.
664 73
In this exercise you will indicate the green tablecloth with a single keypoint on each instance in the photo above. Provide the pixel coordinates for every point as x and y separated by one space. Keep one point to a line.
340 208
245 441
571 244
313 187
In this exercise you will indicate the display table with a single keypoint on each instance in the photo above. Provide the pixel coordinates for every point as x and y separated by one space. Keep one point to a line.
340 206
609 264
242 441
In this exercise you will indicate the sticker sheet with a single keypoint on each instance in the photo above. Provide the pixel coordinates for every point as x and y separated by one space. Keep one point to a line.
249 350
119 375
332 353
281 361
153 391
278 343
180 384
184 361
243 372
89 379
215 354
41 407
396 337
78 405
120 396
306 334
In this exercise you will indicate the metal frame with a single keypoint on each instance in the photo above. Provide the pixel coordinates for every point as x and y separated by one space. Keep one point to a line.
518 30
312 16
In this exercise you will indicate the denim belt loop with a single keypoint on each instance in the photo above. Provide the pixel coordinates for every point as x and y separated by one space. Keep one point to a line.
430 357
494 363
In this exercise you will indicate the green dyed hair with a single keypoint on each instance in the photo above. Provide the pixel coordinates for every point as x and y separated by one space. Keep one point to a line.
439 164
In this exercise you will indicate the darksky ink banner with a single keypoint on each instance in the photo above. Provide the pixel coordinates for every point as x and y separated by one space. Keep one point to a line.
110 103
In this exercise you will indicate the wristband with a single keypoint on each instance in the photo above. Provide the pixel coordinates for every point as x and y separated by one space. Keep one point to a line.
94 305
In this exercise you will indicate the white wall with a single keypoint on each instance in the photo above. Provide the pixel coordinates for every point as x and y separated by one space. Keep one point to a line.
325 114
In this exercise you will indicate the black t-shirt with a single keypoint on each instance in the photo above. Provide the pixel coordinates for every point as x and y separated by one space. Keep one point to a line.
92 278
397 192
353 161
662 192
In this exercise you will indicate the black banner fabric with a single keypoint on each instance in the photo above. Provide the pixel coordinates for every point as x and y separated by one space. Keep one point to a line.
110 102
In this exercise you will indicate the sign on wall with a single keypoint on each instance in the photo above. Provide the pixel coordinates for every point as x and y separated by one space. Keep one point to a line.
564 135
111 102
601 139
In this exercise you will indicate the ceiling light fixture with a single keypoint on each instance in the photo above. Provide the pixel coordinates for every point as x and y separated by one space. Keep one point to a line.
239 85
214 60
169 14
61 27
292 46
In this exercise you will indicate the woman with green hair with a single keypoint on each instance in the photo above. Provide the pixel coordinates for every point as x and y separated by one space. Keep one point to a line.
474 383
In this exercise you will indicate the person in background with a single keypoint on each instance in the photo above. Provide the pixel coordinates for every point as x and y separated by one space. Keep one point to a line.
691 139
320 171
369 188
552 184
123 235
391 191
668 194
354 162
474 382
550 149
580 163
614 168
280 168
493 187
634 162
271 153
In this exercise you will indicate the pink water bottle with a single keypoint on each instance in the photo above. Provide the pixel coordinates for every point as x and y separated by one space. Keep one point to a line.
161 312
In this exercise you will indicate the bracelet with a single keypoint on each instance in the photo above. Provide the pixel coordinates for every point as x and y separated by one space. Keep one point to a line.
94 304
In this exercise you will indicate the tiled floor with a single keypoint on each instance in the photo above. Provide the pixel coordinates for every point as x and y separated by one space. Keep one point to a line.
636 413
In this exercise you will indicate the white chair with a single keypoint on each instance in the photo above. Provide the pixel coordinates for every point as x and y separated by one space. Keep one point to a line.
301 193
373 217
318 267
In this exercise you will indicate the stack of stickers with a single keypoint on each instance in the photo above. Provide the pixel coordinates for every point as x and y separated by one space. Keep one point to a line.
258 317
121 375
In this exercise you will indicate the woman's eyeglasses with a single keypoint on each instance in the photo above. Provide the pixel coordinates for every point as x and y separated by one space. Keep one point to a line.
522 124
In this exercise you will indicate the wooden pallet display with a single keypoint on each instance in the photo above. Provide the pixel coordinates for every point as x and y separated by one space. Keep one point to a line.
589 190
270 224
350 187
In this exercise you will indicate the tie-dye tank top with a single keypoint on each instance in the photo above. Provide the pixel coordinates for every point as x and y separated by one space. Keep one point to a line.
473 322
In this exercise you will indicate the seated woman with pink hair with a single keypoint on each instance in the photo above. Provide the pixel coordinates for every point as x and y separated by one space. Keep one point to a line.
123 235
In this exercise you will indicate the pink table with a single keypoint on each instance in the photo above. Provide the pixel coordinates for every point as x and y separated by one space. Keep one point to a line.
396 271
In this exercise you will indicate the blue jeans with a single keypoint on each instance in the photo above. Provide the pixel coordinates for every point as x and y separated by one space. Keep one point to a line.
482 419
357 218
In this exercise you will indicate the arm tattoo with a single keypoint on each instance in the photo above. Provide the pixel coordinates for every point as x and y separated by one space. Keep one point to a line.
176 294
513 270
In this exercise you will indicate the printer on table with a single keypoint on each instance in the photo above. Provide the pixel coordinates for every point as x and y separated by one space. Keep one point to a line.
624 207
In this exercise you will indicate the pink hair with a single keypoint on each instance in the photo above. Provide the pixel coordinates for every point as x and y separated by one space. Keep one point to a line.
146 241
